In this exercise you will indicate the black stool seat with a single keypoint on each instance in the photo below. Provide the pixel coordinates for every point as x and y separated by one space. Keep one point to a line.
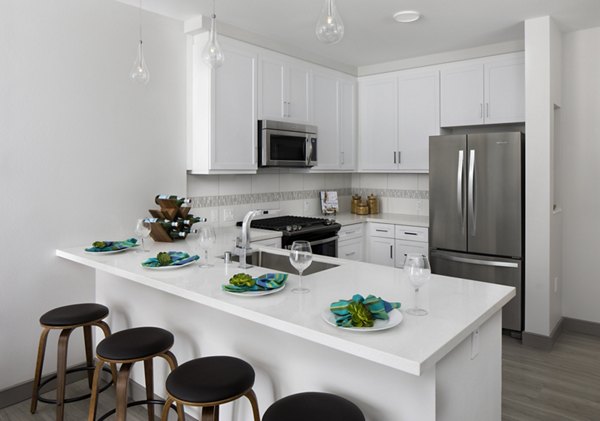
210 379
135 344
313 406
75 314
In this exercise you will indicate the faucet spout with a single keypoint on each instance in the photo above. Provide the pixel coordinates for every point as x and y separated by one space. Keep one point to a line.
243 246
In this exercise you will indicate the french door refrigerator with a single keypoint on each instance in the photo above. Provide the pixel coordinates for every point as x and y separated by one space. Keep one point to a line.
476 211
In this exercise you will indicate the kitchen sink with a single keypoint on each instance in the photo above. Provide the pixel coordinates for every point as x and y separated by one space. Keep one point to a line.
281 262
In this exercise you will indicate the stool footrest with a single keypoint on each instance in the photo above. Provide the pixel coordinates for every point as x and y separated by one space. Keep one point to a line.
74 398
136 403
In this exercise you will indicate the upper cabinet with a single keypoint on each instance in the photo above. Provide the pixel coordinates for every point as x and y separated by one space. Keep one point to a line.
334 115
483 91
285 90
223 117
397 114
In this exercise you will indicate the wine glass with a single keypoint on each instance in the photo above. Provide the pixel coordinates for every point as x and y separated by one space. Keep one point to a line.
206 239
300 258
418 270
142 230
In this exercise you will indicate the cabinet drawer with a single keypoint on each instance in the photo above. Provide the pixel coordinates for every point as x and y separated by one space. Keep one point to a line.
404 247
351 231
377 229
351 250
270 242
411 233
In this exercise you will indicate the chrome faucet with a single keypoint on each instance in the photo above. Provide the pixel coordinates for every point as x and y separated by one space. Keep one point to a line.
242 244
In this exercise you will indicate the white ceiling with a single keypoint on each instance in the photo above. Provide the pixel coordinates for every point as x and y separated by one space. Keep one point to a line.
371 35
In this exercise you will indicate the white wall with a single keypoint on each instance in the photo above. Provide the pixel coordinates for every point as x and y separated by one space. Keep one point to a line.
580 169
83 151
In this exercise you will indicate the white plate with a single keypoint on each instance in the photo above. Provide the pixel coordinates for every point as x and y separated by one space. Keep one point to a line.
170 267
111 251
394 320
255 293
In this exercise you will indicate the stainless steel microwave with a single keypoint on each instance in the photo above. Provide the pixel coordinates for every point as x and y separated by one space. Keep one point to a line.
283 144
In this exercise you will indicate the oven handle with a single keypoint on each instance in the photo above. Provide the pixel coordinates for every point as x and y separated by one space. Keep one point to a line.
326 240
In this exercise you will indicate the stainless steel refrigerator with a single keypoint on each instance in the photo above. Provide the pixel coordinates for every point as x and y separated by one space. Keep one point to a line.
476 211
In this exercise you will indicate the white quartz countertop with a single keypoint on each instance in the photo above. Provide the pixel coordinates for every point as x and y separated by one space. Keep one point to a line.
456 306
385 218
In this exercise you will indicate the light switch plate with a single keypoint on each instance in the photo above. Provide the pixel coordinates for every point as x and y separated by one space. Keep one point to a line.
227 215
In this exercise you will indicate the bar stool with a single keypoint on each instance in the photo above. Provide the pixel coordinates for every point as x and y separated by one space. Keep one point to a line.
209 382
67 319
313 406
140 344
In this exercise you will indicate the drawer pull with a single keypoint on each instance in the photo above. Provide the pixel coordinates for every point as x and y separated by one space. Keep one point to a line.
349 232
350 254
378 230
410 233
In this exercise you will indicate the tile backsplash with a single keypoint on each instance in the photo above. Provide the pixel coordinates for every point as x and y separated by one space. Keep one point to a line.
225 199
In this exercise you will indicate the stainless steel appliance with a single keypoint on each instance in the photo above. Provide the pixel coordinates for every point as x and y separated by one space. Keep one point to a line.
476 211
321 232
283 144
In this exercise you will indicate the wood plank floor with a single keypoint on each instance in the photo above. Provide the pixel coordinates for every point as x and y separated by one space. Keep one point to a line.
561 385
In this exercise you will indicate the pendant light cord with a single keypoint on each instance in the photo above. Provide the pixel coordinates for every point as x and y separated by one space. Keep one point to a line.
140 12
214 15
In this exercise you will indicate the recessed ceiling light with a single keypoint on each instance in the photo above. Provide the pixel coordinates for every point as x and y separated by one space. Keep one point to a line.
407 16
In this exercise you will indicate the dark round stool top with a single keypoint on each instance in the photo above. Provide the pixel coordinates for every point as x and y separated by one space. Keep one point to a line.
313 406
135 344
74 314
210 379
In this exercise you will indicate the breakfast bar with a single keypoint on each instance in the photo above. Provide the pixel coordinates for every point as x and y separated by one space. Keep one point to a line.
443 366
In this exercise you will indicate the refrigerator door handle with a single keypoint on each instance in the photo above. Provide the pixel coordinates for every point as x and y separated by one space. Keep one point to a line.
459 189
478 262
471 192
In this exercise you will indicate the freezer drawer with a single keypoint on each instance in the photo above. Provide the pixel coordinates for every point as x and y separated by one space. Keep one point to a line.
486 269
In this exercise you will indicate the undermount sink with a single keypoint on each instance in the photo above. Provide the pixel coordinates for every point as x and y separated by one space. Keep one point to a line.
281 262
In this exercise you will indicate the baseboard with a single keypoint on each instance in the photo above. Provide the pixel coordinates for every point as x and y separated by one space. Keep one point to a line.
542 342
581 326
22 391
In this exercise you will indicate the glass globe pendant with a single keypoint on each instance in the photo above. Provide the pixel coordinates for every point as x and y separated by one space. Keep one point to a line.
330 28
139 71
212 54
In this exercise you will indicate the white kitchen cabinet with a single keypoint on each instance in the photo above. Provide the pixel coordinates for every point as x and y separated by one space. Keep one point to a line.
404 247
351 241
397 115
381 250
269 242
285 90
388 244
219 97
334 111
483 91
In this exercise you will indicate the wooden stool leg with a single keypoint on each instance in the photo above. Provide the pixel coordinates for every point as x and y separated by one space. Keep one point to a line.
61 372
172 361
165 411
254 402
149 374
89 354
210 413
94 399
122 380
38 368
106 330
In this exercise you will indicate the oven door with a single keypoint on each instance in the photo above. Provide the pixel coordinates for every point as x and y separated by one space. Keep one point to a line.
280 148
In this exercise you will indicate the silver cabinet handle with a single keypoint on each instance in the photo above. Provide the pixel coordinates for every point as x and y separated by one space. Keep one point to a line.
487 109
391 251
459 189
471 192
284 110
399 157
310 150
477 261
350 254
394 157
481 110
342 158
378 230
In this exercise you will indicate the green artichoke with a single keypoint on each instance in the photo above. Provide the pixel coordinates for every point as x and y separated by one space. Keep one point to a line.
99 244
361 316
242 280
164 259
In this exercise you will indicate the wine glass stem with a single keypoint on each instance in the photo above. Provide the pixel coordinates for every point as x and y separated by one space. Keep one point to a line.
143 245
417 298
300 279
206 256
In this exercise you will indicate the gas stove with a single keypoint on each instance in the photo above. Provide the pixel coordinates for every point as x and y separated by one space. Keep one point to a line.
319 231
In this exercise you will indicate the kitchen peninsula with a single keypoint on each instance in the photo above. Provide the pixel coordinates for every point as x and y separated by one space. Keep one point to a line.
444 366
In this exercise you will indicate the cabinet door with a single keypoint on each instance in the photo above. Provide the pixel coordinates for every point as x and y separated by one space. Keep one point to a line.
272 90
298 95
378 114
381 251
233 146
404 247
505 90
326 113
419 118
347 107
351 250
462 95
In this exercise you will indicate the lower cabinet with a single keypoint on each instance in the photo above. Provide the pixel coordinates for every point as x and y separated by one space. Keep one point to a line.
404 247
388 244
381 251
350 243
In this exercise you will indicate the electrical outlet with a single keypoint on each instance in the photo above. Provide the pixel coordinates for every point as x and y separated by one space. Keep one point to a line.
419 206
214 216
306 206
227 215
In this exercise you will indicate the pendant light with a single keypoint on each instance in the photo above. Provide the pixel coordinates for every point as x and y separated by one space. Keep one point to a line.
212 54
139 71
330 28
